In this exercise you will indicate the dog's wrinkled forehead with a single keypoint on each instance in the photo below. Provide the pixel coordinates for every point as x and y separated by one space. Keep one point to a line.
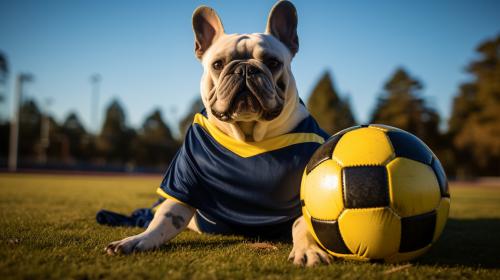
247 46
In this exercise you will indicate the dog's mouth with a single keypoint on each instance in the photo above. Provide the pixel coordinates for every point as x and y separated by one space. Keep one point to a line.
246 106
243 106
246 98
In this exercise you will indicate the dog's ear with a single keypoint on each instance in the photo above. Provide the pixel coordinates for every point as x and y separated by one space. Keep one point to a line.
207 28
282 24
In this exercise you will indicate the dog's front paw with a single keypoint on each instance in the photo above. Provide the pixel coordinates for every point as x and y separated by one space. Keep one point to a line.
306 251
136 243
309 255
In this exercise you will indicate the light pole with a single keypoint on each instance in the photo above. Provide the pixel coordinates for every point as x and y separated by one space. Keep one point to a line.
95 80
14 124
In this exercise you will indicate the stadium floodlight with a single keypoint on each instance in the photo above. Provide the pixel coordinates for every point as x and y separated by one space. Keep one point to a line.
95 80
21 79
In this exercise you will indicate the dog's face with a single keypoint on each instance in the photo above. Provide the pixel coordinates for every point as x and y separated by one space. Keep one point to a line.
247 77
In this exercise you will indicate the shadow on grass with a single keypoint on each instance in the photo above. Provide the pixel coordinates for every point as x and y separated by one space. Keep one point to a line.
473 242
464 242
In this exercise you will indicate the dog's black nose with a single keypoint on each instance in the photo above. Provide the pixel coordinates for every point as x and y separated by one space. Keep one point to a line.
246 69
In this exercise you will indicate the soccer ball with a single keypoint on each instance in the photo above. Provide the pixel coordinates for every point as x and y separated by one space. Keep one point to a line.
375 192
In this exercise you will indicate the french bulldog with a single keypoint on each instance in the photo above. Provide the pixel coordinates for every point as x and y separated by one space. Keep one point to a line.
250 96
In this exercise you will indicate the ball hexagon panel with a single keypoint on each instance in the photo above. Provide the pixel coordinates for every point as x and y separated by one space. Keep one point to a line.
353 149
413 187
370 233
322 191
409 146
442 215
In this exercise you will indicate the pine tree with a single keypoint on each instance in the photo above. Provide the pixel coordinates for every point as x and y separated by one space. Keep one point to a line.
80 143
115 138
155 145
30 118
196 107
155 130
475 119
401 105
330 111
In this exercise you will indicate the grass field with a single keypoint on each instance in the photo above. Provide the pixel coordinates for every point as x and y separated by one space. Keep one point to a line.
48 231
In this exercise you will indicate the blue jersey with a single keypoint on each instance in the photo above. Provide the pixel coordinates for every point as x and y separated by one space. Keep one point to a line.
246 184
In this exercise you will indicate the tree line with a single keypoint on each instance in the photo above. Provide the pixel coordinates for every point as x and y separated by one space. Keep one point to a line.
468 147
116 147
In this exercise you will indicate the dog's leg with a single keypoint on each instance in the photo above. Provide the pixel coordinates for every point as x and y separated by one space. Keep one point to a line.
170 219
305 251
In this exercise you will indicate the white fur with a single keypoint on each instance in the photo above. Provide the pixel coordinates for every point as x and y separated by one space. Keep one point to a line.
293 111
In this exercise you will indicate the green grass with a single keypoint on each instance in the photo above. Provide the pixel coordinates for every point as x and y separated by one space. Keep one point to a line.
48 230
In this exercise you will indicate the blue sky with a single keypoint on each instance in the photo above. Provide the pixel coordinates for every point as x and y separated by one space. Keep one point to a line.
144 49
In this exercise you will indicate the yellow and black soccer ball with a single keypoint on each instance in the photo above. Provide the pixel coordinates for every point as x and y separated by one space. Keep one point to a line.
375 193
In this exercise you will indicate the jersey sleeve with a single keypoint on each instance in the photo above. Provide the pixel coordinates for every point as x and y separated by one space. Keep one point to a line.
179 181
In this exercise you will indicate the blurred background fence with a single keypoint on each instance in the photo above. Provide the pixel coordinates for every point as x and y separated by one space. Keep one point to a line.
467 141
468 147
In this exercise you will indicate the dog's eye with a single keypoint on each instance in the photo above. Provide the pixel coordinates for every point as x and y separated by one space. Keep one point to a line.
218 65
273 63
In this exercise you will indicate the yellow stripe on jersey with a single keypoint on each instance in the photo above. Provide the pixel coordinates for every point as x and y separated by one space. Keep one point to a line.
250 149
167 196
